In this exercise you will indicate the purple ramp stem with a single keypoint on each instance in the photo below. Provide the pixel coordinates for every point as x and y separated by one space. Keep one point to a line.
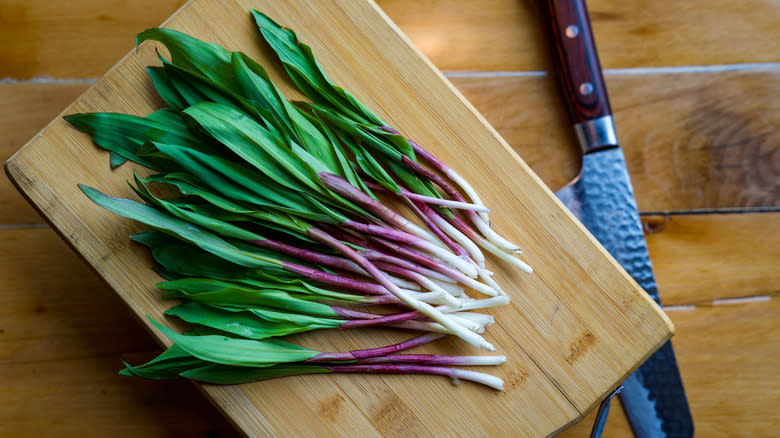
379 351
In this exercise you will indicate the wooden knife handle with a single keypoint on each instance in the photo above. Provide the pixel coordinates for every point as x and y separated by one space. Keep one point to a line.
576 60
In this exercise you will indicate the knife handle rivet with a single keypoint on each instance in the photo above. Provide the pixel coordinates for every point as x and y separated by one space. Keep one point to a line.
572 31
586 88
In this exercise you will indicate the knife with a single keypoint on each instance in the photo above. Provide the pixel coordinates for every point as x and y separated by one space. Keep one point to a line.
602 198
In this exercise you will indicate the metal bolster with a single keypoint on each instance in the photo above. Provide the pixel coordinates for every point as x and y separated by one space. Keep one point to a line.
596 134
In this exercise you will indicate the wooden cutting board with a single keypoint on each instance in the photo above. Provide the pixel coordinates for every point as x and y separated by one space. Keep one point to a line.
576 327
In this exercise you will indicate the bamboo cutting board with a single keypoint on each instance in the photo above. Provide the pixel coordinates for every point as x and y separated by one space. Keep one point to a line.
576 326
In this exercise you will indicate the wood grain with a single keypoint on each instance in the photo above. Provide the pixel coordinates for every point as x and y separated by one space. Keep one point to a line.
84 397
549 386
42 38
504 35
56 39
685 148
732 349
698 259
63 336
26 109
691 141
53 307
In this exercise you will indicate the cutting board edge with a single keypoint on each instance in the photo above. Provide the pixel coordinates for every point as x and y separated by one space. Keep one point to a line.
596 404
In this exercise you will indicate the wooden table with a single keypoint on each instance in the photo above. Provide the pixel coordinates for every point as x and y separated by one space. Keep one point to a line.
693 87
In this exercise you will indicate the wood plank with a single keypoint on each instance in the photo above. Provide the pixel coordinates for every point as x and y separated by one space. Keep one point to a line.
691 141
484 35
686 149
554 311
63 336
730 365
85 398
26 109
504 35
701 258
73 39
54 306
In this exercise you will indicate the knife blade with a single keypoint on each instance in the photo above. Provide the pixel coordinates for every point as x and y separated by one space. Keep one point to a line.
602 197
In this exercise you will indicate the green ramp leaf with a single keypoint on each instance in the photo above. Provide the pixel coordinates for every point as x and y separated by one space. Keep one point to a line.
238 352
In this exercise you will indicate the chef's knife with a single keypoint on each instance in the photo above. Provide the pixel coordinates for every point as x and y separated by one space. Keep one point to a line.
602 198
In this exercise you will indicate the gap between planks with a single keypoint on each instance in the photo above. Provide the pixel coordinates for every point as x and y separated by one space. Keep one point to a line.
697 69
687 69
721 302
705 211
